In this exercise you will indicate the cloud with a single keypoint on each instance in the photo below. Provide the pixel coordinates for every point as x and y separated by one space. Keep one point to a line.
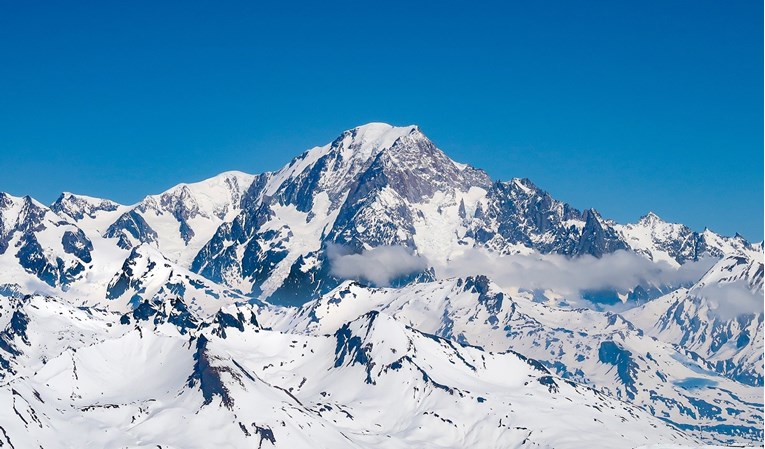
379 265
730 300
569 277
620 271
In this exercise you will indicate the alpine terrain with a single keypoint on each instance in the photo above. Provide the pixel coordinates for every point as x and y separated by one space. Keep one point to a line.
372 293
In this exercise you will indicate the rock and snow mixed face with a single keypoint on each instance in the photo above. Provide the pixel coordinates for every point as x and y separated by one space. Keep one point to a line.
720 318
229 383
375 185
676 243
38 247
182 219
151 278
604 351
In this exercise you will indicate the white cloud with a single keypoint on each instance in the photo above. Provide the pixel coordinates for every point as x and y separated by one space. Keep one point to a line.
379 265
730 300
620 271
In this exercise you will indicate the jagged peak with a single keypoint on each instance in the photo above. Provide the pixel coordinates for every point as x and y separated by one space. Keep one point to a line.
225 180
661 226
523 185
345 157
30 207
216 195
22 214
70 196
78 206
710 235
8 201
594 215
650 218
25 201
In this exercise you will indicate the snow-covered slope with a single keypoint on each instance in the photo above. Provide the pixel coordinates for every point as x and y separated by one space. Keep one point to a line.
598 349
720 317
379 185
374 185
356 191
155 274
182 219
37 247
234 384
178 221
676 243
49 253
93 215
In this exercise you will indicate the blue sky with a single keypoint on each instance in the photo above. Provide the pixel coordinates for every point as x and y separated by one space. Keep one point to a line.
622 106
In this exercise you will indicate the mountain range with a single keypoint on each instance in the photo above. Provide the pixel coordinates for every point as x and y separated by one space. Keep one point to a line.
293 308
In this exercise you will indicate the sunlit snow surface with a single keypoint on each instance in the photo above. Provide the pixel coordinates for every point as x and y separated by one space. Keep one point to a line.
106 380
158 324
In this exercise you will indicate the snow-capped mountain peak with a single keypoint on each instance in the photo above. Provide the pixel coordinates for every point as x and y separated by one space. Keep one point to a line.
719 318
84 209
367 140
241 289
676 243
650 218
212 197
336 164
182 219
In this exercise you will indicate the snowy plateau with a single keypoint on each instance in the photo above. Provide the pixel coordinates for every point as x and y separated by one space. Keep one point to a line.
373 293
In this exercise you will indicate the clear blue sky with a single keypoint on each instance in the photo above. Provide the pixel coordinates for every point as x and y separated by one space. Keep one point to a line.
622 106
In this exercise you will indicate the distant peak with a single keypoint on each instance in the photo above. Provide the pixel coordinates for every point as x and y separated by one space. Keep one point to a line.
650 218
524 184
592 214
222 182
217 179
233 174
69 196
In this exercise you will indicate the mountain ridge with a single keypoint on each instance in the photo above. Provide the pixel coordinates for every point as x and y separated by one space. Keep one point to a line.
204 271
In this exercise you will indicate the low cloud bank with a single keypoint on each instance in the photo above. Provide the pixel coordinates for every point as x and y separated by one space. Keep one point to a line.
379 265
728 301
620 271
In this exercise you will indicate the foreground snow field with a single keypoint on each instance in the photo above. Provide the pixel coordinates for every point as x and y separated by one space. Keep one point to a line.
166 378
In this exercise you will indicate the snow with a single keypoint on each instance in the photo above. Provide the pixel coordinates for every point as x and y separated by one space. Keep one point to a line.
304 235
11 213
359 144
446 309
87 367
211 202
678 446
439 228
689 316
274 389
